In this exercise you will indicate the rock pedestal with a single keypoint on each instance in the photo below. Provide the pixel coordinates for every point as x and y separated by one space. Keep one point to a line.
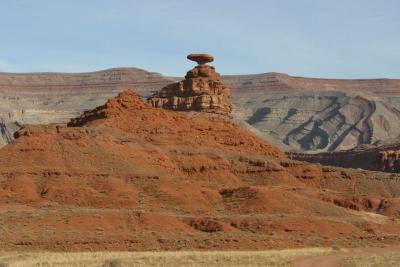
201 90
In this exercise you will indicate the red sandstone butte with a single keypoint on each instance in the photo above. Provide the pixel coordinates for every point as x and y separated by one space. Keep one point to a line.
128 176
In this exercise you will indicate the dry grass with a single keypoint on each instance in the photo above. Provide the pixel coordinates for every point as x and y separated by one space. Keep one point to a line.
388 259
187 258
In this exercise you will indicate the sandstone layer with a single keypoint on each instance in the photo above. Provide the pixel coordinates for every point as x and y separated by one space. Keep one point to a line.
202 90
294 113
376 158
128 176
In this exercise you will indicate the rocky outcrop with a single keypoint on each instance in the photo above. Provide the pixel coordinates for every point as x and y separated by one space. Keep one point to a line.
202 90
382 158
390 160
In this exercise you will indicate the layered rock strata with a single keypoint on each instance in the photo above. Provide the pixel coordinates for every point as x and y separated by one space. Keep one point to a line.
316 115
383 158
201 90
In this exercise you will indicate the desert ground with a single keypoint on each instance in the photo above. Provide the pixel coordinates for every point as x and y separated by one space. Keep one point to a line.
307 257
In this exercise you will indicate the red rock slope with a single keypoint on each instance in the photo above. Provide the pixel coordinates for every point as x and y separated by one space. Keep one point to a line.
132 177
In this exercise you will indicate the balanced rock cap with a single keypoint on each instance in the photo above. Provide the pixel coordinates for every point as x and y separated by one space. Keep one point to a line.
201 59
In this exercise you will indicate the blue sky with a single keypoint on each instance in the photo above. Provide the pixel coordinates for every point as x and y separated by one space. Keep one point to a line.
316 38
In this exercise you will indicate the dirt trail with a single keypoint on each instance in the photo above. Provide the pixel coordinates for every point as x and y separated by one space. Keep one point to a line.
334 260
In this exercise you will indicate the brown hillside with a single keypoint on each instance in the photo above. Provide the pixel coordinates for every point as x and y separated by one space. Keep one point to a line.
129 176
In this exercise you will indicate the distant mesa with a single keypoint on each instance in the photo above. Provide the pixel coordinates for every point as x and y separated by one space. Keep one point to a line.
201 90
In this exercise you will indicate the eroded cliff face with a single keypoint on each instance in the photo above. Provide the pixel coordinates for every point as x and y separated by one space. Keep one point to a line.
390 160
293 113
303 114
384 158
